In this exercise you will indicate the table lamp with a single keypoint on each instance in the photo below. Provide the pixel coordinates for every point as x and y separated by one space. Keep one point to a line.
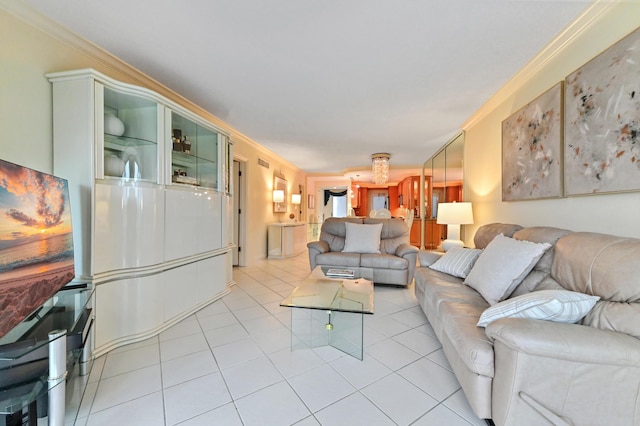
453 215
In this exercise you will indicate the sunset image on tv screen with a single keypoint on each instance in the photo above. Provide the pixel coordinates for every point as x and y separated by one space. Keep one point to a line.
36 244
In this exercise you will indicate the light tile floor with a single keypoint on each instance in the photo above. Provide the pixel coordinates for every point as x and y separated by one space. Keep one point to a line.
231 363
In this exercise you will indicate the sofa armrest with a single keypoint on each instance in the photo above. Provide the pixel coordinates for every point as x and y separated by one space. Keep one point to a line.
410 253
563 374
570 342
428 257
315 248
320 246
406 249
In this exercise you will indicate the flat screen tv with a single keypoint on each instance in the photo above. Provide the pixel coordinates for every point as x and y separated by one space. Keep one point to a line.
36 243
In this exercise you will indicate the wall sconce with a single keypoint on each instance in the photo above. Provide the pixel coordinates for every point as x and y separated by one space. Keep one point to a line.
296 200
278 196
278 199
453 215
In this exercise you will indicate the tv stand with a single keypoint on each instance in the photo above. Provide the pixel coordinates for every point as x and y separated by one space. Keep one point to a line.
38 357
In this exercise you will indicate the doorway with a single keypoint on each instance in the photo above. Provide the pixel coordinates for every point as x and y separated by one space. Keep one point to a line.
239 212
380 202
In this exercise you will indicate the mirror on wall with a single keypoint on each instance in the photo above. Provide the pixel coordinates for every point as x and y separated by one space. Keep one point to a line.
442 182
453 169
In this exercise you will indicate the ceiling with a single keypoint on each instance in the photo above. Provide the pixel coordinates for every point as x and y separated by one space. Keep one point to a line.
324 84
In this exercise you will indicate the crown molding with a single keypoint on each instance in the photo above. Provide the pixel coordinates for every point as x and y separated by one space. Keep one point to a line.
29 15
591 16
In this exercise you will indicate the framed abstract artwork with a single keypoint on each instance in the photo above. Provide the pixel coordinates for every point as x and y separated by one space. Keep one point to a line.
532 149
602 115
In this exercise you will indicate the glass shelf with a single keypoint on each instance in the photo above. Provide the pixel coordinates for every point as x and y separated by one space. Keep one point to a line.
183 159
131 134
16 398
24 350
63 310
200 164
120 143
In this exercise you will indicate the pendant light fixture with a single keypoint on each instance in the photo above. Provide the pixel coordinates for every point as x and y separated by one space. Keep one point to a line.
380 167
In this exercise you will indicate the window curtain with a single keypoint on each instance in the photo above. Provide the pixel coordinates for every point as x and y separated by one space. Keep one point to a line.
328 193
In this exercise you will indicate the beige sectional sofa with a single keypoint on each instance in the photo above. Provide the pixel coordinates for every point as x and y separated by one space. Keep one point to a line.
521 371
392 263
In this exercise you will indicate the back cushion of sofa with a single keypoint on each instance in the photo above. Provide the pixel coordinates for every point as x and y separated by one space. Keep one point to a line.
486 233
333 231
394 233
605 266
538 234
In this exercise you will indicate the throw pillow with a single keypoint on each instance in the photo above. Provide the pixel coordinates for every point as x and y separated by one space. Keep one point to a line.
552 305
457 261
503 264
362 238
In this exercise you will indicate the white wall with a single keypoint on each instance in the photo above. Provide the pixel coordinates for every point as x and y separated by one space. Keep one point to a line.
27 53
258 201
617 214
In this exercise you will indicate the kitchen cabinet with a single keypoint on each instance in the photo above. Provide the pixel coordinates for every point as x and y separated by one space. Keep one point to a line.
409 188
363 202
355 196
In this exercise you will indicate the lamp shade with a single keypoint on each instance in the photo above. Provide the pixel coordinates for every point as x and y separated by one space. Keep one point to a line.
295 198
278 196
455 214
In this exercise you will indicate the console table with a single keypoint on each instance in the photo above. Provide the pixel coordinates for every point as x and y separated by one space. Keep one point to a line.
286 239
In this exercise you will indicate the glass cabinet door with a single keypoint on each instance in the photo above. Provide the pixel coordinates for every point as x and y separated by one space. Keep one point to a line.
130 137
194 153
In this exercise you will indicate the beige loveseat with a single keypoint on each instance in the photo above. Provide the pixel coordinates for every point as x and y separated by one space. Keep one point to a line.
537 372
394 264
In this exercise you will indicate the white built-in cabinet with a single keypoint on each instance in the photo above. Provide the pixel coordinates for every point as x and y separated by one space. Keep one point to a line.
151 203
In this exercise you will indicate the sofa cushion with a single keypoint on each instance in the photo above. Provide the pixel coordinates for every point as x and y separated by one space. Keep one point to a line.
362 238
486 233
549 305
383 261
538 234
605 266
453 310
333 258
502 266
333 231
433 288
457 261
395 232
472 344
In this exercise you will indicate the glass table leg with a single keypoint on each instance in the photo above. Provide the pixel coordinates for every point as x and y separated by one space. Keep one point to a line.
347 333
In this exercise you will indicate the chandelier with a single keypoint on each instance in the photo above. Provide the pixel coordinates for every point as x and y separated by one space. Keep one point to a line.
380 167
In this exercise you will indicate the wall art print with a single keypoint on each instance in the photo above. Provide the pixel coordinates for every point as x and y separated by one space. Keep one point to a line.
602 134
531 149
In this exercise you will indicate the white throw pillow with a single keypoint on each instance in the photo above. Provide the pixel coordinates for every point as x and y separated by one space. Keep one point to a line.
552 305
362 238
503 264
457 261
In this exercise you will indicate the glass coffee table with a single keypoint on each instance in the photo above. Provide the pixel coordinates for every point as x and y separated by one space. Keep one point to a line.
332 313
